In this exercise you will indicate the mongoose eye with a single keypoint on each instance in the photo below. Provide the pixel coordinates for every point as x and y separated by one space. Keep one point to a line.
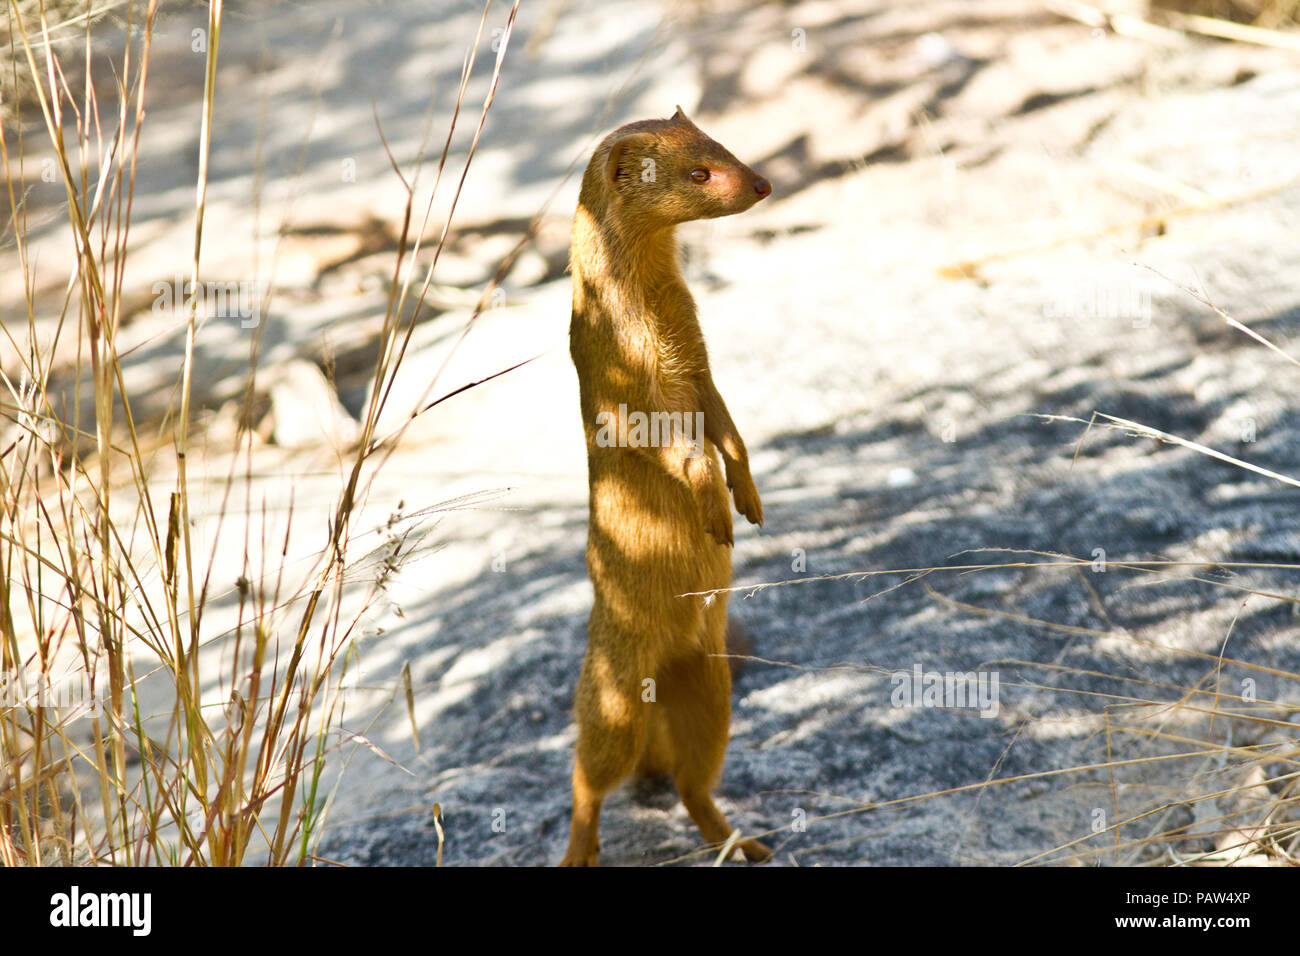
700 175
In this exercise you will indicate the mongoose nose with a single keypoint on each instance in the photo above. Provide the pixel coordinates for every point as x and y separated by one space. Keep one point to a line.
763 187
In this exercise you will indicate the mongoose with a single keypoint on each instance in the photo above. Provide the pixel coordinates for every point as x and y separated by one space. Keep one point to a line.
654 695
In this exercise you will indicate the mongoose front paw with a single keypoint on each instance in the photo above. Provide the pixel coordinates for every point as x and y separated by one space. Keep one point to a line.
747 500
717 519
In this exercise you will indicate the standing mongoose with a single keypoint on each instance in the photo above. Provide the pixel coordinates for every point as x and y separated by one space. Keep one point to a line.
654 695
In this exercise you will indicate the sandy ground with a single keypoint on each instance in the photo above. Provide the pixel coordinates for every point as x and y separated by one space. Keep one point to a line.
983 214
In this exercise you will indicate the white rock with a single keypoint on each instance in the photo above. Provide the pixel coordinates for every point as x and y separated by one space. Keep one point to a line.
900 477
307 411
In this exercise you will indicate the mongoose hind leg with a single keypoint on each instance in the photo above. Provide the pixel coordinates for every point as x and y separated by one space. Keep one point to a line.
584 838
696 693
612 727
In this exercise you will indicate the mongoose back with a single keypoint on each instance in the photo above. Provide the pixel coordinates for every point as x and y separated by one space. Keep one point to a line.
654 695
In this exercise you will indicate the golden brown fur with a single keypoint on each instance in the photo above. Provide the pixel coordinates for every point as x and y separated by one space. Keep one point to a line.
655 691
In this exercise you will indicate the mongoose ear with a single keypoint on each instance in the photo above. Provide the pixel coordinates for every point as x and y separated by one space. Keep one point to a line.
624 152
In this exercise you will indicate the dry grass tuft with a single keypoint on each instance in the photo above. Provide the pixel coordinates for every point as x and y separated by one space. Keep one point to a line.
103 591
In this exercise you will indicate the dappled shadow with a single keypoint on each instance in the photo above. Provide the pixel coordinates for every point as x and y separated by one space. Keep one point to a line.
817 732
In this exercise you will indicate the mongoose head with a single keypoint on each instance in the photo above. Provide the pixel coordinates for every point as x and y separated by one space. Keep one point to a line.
664 172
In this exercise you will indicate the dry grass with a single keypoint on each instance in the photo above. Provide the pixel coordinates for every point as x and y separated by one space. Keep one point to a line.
1269 23
1185 765
65 18
102 586
1267 14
